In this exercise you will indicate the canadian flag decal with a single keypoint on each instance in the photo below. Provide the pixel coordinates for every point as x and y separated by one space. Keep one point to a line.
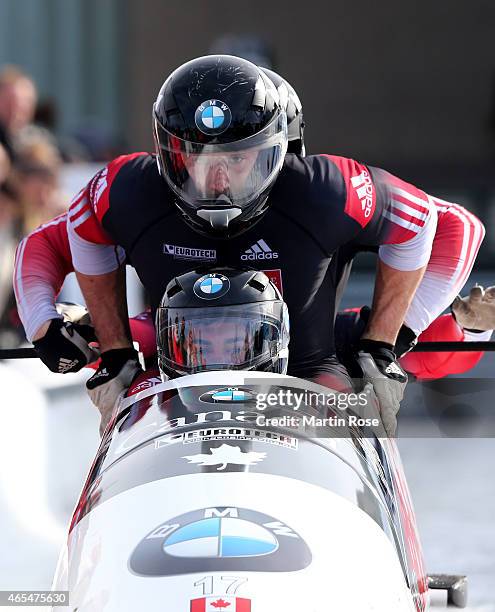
221 604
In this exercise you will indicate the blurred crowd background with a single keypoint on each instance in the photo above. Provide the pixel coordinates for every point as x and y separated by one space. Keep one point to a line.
408 86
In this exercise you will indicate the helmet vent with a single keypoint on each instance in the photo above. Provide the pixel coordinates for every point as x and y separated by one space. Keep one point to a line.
174 290
255 284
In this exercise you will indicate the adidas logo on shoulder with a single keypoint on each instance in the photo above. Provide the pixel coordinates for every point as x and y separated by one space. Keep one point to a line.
363 185
259 250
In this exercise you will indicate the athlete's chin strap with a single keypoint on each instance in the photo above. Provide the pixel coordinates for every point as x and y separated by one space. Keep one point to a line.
219 218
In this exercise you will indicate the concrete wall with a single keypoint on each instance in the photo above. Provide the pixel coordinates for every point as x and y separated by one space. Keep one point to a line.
387 81
71 49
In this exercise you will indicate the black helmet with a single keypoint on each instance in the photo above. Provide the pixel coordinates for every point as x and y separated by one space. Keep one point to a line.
295 119
222 319
221 136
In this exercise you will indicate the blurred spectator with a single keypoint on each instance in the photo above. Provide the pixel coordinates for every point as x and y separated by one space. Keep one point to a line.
29 183
4 164
17 105
30 196
34 178
30 164
9 236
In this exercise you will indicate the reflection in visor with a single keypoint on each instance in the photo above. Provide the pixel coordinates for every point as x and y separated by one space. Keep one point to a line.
240 170
213 344
195 339
228 174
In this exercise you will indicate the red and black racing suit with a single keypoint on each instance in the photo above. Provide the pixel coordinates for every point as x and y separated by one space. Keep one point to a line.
319 205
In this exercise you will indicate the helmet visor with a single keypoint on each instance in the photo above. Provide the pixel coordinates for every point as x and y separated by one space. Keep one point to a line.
225 337
229 174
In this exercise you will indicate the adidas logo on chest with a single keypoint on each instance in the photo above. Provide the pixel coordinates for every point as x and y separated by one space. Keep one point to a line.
259 250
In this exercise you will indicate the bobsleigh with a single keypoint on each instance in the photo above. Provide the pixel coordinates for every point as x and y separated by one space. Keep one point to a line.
209 493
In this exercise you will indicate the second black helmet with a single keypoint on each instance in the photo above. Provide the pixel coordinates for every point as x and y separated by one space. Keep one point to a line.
295 119
222 319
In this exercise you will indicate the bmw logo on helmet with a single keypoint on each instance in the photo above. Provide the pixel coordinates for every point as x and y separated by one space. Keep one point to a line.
212 117
211 286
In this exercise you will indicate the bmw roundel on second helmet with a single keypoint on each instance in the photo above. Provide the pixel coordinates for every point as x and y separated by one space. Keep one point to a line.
221 319
211 286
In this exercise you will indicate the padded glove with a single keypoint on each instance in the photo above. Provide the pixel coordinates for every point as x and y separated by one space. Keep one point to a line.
476 312
64 348
379 367
118 368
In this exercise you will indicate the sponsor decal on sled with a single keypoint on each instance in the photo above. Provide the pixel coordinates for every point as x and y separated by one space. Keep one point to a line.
221 604
220 539
228 434
225 455
228 394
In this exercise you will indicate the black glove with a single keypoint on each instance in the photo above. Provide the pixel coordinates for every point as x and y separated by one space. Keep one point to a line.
406 341
350 326
64 348
117 370
380 368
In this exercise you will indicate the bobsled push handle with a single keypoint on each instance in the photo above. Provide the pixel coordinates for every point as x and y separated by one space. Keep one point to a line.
18 353
454 345
421 347
456 587
74 313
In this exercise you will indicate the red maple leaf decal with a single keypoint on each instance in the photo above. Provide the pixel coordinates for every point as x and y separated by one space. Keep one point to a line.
220 603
